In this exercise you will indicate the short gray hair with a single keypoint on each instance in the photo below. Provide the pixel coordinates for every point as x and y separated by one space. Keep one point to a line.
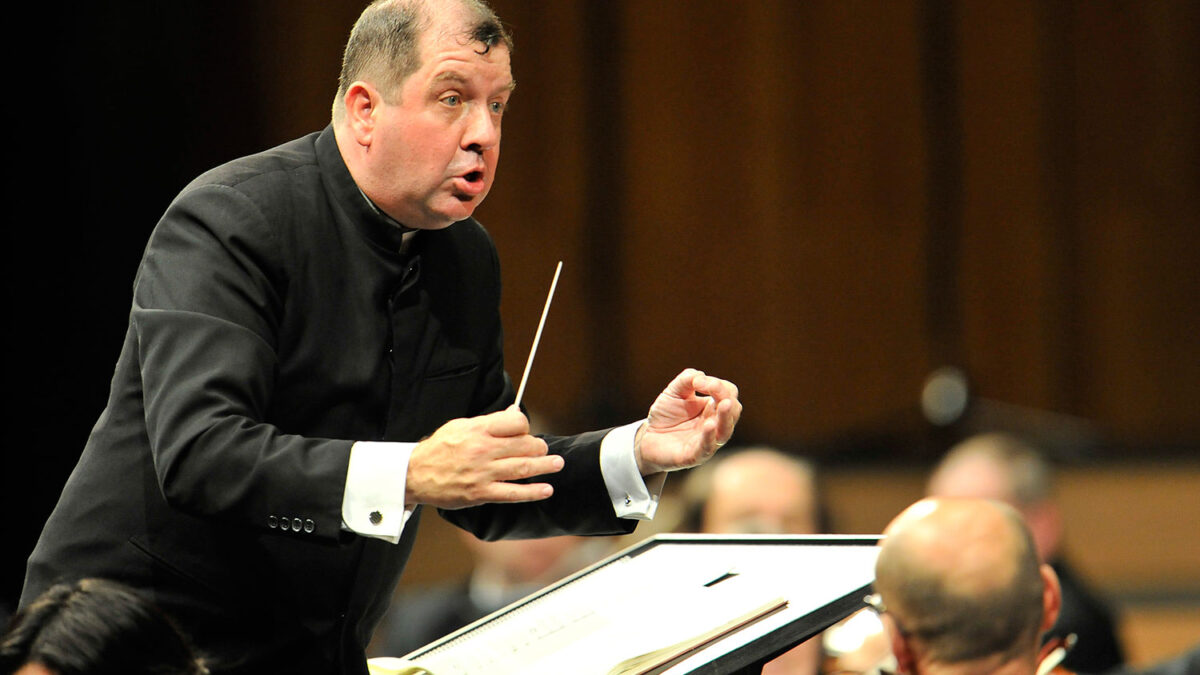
1029 476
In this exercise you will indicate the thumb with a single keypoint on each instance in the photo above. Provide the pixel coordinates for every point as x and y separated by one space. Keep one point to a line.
684 384
508 422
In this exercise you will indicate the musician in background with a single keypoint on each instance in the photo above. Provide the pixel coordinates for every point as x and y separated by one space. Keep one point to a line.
960 589
96 627
1003 467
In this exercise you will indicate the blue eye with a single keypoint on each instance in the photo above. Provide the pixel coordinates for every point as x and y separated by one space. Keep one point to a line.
451 100
497 107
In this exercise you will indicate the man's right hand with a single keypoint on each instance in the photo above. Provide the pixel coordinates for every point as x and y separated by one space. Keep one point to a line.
472 460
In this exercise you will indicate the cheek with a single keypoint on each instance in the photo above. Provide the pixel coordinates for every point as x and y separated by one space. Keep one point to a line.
421 146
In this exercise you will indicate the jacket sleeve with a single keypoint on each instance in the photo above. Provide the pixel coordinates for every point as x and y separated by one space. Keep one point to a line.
207 302
580 504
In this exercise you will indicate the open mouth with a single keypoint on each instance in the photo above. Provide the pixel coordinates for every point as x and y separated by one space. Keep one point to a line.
469 185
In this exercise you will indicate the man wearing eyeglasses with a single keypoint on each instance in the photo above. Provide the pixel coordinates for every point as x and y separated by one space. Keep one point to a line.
960 589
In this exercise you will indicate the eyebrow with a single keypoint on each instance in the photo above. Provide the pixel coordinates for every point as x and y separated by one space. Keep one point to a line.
455 76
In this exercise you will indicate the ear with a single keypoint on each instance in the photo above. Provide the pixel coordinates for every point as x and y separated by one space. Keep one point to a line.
1051 597
905 660
361 103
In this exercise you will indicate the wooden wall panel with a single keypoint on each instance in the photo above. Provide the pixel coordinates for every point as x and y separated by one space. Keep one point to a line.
1005 271
1079 281
774 182
1139 206
294 61
769 219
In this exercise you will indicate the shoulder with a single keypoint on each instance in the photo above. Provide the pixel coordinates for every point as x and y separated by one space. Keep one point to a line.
250 198
280 163
235 216
272 179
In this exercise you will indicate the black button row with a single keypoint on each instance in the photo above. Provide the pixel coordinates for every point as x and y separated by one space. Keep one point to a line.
294 524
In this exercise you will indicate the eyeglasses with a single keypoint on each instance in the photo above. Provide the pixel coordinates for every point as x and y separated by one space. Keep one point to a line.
875 603
859 645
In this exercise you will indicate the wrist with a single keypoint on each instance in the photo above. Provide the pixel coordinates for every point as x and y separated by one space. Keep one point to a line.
412 479
644 468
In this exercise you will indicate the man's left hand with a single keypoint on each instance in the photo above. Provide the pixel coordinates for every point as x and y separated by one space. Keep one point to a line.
688 421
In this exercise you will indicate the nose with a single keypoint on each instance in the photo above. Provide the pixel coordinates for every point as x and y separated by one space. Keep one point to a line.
482 132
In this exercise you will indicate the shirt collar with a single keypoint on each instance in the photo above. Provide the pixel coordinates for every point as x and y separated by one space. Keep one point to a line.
377 226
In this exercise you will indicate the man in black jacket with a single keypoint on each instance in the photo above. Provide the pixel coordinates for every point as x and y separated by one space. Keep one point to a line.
314 354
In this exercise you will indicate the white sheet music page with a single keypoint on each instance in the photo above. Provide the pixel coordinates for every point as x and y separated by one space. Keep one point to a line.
665 596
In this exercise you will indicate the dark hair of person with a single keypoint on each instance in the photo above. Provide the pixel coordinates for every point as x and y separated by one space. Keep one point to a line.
384 45
97 627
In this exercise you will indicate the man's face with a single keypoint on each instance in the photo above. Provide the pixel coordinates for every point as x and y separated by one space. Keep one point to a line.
437 143
763 498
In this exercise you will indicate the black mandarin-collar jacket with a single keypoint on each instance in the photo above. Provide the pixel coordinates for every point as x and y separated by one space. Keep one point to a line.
274 322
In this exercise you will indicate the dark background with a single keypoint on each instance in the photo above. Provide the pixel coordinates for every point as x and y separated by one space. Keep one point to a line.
824 201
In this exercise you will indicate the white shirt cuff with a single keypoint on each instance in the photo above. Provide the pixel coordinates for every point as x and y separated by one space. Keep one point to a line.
632 496
373 503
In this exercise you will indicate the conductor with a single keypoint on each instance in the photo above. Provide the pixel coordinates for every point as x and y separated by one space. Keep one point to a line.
314 355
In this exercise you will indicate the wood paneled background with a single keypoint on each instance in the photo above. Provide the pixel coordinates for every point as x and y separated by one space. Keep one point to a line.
822 200
827 200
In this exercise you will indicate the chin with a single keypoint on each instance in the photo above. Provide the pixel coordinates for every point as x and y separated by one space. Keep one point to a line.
461 210
441 221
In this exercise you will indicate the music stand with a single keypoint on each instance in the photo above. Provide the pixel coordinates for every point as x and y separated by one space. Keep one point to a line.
570 626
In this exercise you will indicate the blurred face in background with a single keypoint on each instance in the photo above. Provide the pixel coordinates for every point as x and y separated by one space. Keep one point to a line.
755 495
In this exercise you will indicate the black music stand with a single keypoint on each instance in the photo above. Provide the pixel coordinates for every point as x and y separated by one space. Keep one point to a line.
823 578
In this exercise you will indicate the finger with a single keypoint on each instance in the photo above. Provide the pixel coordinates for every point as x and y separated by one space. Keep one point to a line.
521 446
717 388
519 468
511 493
728 413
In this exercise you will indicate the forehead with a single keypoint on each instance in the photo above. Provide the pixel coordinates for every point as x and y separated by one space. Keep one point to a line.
775 491
973 476
448 53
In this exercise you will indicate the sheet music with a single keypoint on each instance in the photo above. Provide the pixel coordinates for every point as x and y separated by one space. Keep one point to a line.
587 628
810 577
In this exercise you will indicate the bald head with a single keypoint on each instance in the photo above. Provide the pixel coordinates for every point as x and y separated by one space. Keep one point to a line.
962 581
756 490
